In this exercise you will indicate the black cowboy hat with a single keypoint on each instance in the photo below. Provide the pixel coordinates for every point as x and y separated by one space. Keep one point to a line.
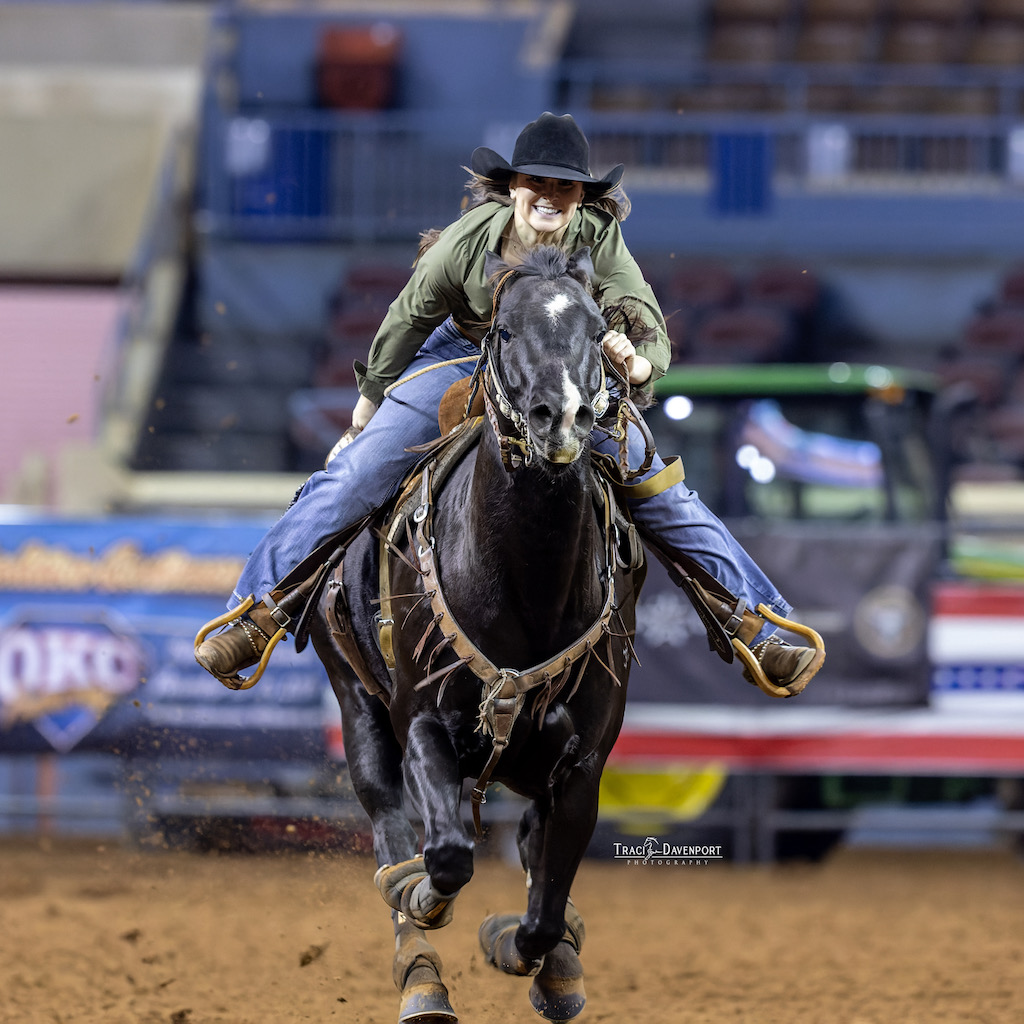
551 147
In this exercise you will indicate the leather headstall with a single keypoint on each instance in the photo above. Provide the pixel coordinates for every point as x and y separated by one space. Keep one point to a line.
509 424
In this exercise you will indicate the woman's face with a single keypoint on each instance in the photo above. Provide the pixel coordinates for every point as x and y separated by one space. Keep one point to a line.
543 206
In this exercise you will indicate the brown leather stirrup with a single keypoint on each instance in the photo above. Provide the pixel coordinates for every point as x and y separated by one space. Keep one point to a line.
732 627
235 615
752 657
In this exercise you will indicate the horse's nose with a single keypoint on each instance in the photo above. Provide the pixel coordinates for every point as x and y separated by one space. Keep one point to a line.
552 415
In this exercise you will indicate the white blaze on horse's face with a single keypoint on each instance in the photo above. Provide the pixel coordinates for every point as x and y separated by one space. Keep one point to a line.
569 447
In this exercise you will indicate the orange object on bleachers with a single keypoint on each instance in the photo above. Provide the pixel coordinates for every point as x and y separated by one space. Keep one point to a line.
356 67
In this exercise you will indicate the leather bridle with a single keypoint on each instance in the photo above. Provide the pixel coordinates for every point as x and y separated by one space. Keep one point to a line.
510 426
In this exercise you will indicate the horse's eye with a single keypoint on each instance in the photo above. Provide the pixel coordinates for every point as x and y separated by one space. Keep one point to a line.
503 334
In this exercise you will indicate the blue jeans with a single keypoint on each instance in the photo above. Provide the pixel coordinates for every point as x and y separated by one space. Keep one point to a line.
366 473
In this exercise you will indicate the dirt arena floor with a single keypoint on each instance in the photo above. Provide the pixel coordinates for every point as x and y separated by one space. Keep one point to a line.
99 934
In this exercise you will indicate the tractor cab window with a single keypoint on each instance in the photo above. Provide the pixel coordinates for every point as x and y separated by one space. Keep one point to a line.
809 452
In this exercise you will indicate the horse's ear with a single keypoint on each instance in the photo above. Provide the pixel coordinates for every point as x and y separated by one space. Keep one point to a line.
493 265
581 266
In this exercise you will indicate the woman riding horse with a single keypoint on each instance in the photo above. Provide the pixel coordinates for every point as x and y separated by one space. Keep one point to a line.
546 195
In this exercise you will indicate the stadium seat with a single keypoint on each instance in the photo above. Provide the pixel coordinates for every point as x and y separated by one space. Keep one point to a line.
703 285
1000 331
845 10
717 97
987 375
692 292
358 325
833 42
829 97
1011 289
727 10
947 11
997 44
919 41
788 286
967 101
1005 426
742 335
356 67
1005 10
894 98
745 42
628 96
380 280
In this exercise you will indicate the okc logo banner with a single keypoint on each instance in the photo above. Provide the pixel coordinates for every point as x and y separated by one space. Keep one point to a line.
95 656
62 674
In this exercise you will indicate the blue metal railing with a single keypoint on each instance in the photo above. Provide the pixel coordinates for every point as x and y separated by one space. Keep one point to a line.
811 147
320 175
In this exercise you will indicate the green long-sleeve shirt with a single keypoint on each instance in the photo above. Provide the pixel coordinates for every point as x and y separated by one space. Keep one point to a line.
449 280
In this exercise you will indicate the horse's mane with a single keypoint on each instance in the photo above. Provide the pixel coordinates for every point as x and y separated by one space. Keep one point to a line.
551 263
547 261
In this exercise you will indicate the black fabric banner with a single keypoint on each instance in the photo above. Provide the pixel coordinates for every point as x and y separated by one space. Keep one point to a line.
866 591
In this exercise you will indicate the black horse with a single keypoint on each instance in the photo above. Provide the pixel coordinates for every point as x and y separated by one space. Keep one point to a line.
515 669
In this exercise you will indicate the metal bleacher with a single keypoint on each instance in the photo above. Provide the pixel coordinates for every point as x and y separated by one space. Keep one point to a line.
732 148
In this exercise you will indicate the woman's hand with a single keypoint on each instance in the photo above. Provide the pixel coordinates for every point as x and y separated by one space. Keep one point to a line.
621 352
361 415
363 412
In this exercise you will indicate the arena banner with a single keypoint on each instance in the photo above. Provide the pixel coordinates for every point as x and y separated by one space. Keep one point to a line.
97 623
866 590
98 619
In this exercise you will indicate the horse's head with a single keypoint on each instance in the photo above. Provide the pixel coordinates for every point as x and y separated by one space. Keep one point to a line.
544 353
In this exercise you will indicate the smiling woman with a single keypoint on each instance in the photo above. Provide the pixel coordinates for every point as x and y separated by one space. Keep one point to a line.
543 207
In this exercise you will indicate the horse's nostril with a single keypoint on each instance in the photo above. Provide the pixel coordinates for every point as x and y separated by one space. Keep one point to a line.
542 416
585 418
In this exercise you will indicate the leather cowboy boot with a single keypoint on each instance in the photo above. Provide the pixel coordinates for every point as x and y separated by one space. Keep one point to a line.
243 642
239 646
787 667
784 665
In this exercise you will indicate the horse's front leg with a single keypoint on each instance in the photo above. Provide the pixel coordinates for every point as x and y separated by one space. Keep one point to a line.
416 904
375 766
546 940
423 888
417 974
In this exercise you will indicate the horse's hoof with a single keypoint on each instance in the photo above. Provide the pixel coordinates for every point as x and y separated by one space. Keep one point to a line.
425 1002
498 941
560 1008
557 992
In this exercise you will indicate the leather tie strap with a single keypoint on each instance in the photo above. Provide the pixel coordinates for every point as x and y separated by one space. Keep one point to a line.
667 477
